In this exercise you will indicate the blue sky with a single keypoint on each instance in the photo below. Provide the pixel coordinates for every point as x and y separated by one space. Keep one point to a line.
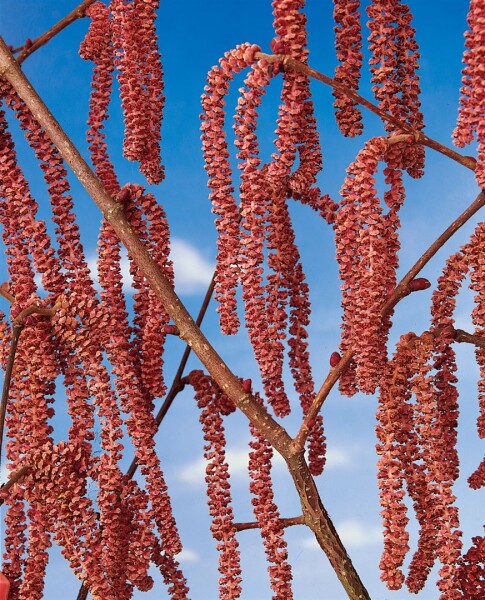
193 35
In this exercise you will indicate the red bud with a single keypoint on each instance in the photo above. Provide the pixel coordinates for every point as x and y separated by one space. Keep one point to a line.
420 283
311 423
124 195
28 43
277 46
247 385
171 330
335 358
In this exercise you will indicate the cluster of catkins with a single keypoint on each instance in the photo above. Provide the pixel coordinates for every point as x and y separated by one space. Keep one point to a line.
110 366
257 250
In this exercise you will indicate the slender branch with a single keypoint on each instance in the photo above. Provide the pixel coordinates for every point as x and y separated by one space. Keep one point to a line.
288 522
420 138
399 293
77 13
402 288
316 517
83 593
177 384
33 310
13 479
16 331
469 338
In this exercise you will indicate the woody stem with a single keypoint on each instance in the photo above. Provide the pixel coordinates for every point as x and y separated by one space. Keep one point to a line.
75 14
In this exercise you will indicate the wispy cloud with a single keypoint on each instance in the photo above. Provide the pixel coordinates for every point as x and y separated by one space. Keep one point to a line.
193 271
338 458
188 556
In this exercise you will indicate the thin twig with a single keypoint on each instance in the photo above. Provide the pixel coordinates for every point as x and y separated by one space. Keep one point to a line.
419 137
77 13
288 522
17 326
402 288
34 310
400 292
177 384
13 479
83 593
469 338
316 516
16 331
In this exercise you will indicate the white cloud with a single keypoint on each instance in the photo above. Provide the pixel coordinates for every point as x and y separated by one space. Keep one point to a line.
193 271
337 458
193 473
188 556
353 534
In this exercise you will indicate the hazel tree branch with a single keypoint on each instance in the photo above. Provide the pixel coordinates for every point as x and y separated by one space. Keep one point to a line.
16 331
75 14
177 383
402 290
17 327
289 63
316 516
469 338
288 522
13 479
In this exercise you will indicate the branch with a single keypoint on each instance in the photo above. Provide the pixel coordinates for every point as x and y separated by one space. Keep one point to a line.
402 288
316 516
469 338
177 384
17 327
83 593
5 291
284 523
401 291
34 310
16 331
419 137
77 13
17 476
